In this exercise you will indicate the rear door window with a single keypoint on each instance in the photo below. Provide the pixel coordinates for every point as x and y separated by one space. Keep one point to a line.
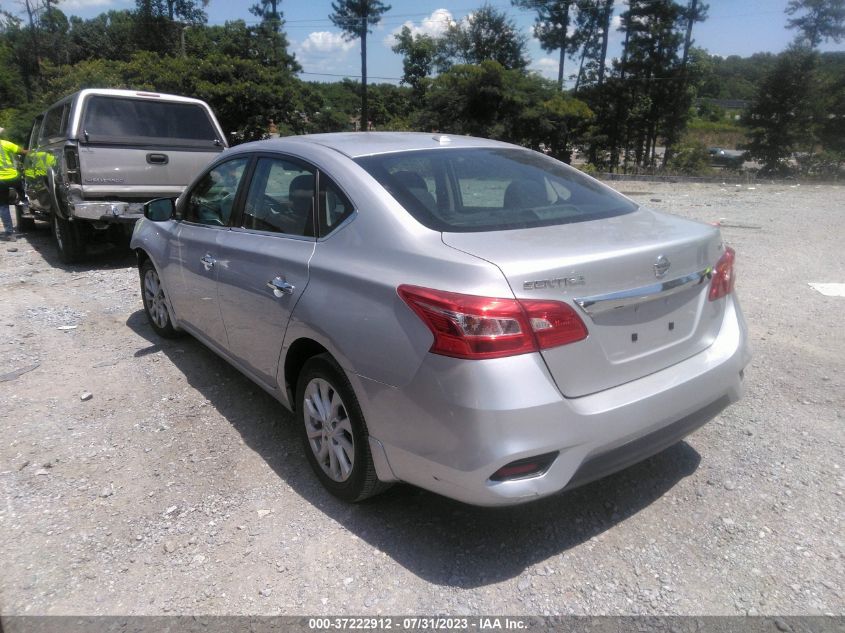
281 198
333 206
123 120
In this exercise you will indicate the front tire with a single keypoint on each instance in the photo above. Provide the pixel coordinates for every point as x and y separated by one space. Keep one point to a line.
69 239
334 433
155 302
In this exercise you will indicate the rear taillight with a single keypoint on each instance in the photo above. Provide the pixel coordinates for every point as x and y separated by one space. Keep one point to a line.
466 326
72 166
722 283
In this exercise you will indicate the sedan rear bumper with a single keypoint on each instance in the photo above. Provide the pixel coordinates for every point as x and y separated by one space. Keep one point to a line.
458 422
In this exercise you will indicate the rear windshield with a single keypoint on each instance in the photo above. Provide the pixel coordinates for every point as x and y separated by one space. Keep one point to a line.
122 120
470 190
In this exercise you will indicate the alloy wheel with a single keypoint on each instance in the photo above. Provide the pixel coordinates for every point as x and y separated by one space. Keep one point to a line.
329 430
154 296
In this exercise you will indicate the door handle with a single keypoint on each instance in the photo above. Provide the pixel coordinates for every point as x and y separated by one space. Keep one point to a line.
280 287
208 261
157 159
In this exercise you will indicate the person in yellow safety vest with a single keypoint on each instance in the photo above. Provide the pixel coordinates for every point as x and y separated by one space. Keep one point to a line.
37 163
10 179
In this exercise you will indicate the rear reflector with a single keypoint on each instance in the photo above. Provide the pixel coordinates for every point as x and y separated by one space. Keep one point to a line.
724 276
471 327
524 468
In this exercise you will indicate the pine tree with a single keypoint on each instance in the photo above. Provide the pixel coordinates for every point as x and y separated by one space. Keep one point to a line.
823 20
270 30
355 18
551 27
780 117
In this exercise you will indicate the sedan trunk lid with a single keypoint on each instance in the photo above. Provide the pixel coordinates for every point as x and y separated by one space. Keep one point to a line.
639 281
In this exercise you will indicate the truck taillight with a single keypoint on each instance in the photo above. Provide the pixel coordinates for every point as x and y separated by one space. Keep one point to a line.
72 166
472 327
724 275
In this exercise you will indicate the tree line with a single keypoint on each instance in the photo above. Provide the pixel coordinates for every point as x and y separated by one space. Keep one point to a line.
630 112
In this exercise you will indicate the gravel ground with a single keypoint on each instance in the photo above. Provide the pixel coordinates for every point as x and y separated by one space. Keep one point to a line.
179 487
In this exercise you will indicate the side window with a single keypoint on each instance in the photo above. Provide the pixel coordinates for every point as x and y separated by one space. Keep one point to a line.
211 200
333 206
54 122
36 129
281 198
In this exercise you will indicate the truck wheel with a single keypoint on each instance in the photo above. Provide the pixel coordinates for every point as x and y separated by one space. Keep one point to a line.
68 236
23 223
120 235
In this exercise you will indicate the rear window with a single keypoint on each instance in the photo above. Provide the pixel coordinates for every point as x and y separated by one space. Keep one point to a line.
470 190
121 120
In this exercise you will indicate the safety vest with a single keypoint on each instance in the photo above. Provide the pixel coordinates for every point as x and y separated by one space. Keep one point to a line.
37 163
8 166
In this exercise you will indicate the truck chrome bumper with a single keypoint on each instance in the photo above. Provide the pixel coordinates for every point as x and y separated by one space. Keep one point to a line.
107 211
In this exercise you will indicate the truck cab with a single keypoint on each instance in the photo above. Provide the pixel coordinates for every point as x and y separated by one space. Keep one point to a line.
97 156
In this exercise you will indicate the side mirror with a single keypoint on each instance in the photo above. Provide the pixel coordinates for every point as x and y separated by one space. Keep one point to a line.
160 209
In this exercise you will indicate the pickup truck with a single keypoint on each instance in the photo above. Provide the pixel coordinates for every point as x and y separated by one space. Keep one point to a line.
98 155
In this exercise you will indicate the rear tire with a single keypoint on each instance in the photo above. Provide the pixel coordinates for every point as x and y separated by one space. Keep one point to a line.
24 224
155 302
334 433
69 239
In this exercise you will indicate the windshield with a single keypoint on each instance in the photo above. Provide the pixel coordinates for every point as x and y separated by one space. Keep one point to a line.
465 190
116 119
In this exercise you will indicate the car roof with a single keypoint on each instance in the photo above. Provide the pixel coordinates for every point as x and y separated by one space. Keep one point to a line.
136 94
356 144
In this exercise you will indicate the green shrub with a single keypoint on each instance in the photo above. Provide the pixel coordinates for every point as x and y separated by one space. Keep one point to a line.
588 168
691 159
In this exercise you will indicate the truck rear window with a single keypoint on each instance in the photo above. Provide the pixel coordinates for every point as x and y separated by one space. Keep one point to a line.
471 190
122 120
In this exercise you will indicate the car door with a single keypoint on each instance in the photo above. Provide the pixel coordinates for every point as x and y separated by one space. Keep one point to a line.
206 213
263 262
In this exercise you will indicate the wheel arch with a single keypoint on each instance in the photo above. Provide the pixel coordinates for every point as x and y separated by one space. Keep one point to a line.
142 256
299 352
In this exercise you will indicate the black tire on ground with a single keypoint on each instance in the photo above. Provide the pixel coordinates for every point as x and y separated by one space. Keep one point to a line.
120 235
23 223
361 481
155 302
69 238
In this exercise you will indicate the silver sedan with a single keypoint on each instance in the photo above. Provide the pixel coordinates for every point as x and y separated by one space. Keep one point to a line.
464 315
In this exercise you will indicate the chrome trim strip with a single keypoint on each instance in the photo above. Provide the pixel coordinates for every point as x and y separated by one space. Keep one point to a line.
601 304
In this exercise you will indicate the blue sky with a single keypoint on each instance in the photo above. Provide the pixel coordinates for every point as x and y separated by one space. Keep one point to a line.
734 28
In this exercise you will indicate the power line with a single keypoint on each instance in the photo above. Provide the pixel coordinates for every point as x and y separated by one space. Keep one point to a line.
350 76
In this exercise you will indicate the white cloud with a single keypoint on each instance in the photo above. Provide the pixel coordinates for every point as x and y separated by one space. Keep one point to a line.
325 42
434 25
546 66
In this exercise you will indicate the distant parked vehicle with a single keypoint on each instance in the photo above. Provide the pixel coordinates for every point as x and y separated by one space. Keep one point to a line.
461 314
732 159
97 156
